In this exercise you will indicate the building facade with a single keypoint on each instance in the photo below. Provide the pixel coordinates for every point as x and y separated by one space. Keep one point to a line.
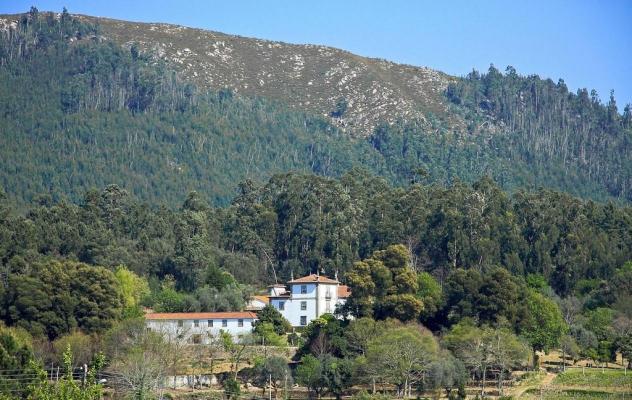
200 328
307 298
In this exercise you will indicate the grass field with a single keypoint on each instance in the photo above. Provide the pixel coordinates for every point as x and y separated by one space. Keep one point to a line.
594 378
574 394
590 384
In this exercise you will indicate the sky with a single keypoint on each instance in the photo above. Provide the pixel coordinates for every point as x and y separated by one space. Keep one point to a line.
587 43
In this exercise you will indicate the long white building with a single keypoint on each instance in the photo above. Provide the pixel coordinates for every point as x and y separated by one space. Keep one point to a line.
307 298
199 328
301 301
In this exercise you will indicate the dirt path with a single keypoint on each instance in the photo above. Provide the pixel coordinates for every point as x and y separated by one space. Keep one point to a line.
520 390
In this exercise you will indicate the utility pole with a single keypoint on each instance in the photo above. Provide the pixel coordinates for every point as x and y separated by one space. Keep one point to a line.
270 388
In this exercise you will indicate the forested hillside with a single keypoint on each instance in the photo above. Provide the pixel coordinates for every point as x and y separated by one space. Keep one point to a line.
300 223
470 259
80 111
571 138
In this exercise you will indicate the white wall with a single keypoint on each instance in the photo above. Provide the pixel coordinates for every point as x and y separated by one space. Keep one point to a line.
187 330
315 297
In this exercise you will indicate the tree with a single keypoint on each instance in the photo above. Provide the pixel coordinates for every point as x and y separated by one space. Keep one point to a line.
623 327
232 390
544 325
385 286
310 374
430 293
57 296
601 322
336 374
80 346
404 307
273 370
448 372
265 331
237 351
360 332
340 108
16 360
140 360
472 346
402 356
569 348
507 353
270 314
483 348
133 290
324 335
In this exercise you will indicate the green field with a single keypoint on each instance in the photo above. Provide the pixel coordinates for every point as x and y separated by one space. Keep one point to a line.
595 378
574 394
586 385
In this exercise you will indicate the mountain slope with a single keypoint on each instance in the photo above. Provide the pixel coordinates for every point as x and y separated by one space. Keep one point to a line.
85 105
308 77
78 112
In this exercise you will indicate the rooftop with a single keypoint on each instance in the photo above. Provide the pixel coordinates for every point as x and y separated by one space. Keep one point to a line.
344 291
313 278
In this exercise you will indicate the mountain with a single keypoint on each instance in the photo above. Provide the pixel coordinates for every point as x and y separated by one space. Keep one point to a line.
162 110
308 77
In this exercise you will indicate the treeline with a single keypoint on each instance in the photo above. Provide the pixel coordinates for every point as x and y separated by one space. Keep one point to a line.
544 124
97 75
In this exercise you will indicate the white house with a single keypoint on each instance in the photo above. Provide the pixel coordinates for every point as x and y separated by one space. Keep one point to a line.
307 298
198 328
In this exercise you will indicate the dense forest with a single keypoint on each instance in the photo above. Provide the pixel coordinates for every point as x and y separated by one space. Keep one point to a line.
479 268
300 223
572 135
80 112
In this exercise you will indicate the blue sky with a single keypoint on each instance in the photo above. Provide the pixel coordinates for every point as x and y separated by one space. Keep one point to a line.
587 43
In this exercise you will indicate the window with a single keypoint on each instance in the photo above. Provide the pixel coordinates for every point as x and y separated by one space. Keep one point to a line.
210 323
196 339
180 323
196 323
303 305
303 320
303 289
240 323
224 323
281 305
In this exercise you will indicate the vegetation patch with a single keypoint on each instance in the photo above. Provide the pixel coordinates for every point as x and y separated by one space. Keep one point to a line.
595 378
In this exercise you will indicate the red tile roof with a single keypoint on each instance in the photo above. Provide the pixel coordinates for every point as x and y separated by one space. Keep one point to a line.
202 315
344 291
313 278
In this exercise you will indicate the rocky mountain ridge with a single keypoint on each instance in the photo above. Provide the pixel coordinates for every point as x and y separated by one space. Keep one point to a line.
315 78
